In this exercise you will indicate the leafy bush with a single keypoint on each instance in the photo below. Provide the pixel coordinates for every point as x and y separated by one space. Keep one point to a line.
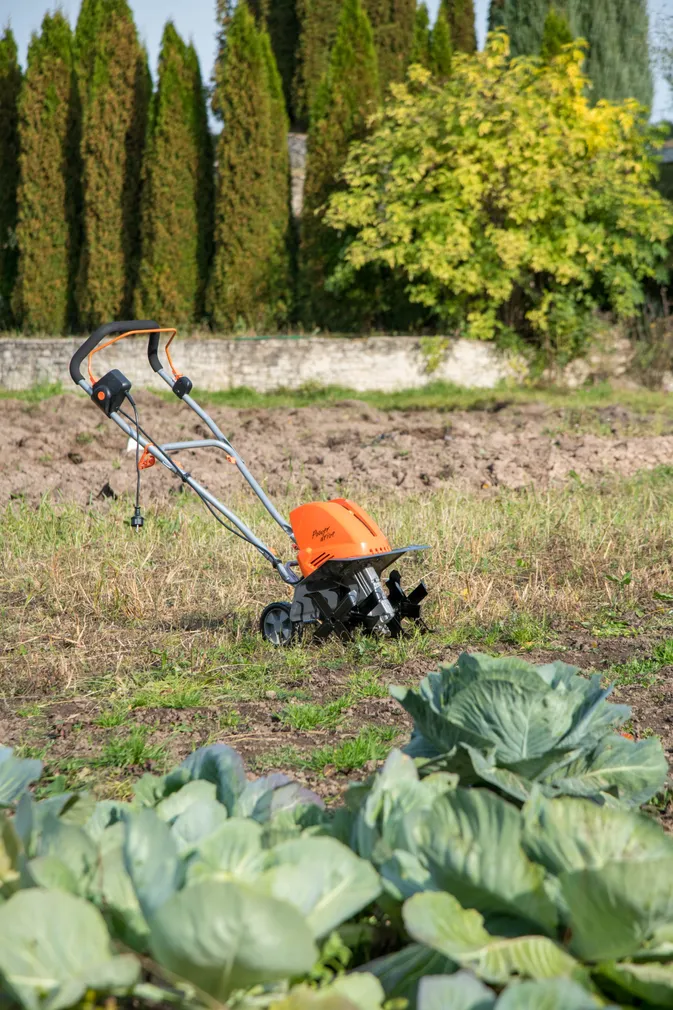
504 201
209 887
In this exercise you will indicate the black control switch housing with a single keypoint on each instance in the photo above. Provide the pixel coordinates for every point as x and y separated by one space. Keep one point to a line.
110 390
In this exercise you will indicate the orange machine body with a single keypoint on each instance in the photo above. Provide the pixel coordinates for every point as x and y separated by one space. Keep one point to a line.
327 530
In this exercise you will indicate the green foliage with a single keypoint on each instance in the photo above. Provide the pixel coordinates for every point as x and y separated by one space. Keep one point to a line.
459 15
524 21
496 15
281 20
318 20
420 49
10 86
177 191
555 35
250 275
115 88
349 94
506 201
220 888
49 197
517 728
392 24
618 61
441 52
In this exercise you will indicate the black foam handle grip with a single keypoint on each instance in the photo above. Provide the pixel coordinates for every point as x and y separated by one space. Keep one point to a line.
153 351
107 330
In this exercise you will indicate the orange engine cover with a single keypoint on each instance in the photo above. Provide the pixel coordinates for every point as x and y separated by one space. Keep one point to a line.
334 529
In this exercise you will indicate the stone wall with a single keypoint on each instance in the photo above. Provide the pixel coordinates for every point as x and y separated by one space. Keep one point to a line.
264 364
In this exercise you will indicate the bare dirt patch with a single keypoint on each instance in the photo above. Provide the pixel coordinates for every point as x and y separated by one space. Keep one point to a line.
64 446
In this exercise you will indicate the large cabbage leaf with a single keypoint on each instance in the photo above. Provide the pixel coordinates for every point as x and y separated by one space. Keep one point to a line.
16 774
438 920
457 840
322 878
616 909
224 936
576 834
54 947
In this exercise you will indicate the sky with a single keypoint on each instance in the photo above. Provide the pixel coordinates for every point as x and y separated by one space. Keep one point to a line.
195 20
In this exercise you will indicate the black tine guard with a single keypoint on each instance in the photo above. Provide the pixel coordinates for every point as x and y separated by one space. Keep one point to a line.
107 330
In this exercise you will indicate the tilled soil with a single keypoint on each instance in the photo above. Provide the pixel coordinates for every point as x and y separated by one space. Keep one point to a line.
65 447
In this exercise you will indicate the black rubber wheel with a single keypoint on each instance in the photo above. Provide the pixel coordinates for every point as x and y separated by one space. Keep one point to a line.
275 624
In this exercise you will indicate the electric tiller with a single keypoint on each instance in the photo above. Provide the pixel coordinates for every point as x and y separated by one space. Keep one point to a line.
341 552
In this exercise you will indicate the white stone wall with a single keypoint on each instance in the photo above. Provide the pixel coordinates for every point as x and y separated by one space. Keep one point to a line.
264 364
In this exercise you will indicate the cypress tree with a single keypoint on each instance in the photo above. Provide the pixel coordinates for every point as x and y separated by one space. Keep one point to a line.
496 15
177 191
115 89
555 35
281 247
281 20
10 86
318 20
249 276
441 50
618 63
420 49
392 24
348 94
524 21
459 15
47 228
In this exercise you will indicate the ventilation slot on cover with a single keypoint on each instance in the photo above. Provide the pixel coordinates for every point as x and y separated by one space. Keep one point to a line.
321 558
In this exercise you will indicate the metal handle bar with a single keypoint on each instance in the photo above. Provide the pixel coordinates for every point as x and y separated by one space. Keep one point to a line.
106 330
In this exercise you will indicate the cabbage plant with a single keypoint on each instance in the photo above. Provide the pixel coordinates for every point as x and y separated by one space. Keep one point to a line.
512 726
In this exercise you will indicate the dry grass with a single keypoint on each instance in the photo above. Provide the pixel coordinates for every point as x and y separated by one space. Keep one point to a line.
123 650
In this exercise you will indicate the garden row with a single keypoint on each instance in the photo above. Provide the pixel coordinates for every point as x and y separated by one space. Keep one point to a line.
500 860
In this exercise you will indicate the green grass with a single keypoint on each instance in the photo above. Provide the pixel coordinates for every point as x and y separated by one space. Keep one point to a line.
311 717
130 751
371 744
433 396
35 394
642 671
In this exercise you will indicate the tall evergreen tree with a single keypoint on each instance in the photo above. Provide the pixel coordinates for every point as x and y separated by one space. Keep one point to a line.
177 191
524 21
10 86
318 20
392 24
496 15
282 246
459 15
49 196
280 18
441 52
618 63
555 35
115 89
249 275
349 94
420 49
